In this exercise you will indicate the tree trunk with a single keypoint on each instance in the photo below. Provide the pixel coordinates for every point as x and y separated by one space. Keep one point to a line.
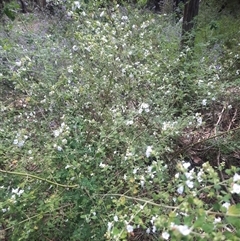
41 3
190 12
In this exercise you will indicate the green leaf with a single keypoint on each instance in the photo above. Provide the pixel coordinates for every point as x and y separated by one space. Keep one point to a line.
142 2
199 222
216 206
207 227
234 210
234 221
10 14
115 231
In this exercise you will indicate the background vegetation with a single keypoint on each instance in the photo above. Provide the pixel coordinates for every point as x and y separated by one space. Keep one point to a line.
110 132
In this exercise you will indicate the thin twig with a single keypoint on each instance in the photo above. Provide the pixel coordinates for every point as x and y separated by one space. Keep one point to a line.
220 117
233 119
39 178
141 200
166 206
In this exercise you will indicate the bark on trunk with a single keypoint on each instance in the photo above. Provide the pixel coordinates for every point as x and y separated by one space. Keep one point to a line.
190 12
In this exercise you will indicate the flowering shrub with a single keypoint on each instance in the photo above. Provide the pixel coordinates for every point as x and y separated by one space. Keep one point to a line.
108 132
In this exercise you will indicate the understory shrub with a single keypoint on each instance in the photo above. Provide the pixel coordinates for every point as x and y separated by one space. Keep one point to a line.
109 132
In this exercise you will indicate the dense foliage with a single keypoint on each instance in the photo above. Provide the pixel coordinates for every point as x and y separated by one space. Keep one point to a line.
109 132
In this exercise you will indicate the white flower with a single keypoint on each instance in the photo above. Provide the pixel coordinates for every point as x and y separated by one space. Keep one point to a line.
17 191
70 69
56 133
236 177
144 25
64 141
66 167
109 226
167 125
154 229
226 205
135 170
190 175
184 214
70 14
148 230
190 184
180 189
184 229
199 175
124 18
129 228
145 107
59 148
229 107
142 182
21 143
18 142
88 48
199 120
148 151
165 235
217 220
235 188
149 169
140 111
115 218
102 165
15 141
152 220
76 5
18 63
75 47
186 165
204 102
102 14
129 122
